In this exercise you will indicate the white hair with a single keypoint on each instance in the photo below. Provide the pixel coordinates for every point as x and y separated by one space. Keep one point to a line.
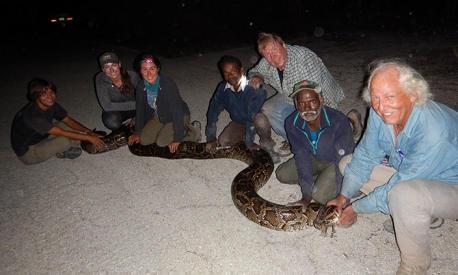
410 80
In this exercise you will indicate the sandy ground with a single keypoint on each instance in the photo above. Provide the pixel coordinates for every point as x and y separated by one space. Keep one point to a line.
117 213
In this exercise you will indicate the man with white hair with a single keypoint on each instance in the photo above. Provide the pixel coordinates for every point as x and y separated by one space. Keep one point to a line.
420 137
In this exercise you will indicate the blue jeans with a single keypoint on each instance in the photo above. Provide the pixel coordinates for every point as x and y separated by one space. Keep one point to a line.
277 110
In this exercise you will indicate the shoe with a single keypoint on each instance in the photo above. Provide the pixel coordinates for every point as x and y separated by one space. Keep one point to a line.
406 269
355 119
71 153
284 150
273 154
198 127
435 223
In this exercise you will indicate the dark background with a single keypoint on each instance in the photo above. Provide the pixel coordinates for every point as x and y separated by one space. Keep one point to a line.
176 28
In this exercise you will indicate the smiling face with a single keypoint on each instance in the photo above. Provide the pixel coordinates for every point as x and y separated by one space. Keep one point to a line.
389 99
309 103
46 99
112 70
275 54
149 72
232 74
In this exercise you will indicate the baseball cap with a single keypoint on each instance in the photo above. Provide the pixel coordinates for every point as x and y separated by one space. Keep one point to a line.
108 57
305 85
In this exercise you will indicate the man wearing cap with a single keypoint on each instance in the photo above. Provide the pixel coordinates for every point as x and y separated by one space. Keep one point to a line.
115 89
320 137
282 66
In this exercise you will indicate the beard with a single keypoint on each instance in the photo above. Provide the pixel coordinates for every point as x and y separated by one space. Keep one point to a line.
310 115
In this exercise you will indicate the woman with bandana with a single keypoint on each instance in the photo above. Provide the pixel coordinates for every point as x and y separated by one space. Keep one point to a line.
162 117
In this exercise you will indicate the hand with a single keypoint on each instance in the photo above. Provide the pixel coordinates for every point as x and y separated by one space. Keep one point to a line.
92 133
254 147
256 81
98 143
341 201
133 139
173 146
348 217
211 147
131 123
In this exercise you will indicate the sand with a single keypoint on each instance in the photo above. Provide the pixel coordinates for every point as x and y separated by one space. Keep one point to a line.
116 213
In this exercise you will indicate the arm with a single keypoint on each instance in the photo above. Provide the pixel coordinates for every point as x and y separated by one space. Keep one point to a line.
255 101
259 74
422 160
175 106
215 109
343 145
89 136
301 157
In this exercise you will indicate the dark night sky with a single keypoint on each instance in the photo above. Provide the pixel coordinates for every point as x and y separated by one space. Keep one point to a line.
182 27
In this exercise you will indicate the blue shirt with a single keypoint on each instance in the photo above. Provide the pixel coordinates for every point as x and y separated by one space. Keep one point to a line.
242 106
429 146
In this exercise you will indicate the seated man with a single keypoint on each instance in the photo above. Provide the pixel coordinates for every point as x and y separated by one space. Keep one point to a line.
244 106
283 65
320 137
34 136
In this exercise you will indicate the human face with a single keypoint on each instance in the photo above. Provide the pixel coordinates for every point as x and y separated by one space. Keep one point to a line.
149 72
112 70
308 103
275 54
232 74
46 99
389 99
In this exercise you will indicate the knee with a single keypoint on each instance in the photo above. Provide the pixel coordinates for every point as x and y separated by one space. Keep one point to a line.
405 194
112 120
284 175
225 140
343 163
260 120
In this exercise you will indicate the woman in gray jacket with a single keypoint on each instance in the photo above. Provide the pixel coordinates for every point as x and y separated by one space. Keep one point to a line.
115 88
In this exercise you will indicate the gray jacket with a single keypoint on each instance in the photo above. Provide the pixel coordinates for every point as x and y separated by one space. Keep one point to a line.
110 97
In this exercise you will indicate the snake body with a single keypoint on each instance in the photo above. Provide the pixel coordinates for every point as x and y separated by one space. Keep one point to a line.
244 186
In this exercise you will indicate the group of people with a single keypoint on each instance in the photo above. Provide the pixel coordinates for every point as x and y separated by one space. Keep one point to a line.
404 165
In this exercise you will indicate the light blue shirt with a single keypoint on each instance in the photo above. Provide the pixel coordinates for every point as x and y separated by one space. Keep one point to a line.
427 148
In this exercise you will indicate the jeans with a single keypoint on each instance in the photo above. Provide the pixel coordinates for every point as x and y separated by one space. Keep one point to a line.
114 119
277 110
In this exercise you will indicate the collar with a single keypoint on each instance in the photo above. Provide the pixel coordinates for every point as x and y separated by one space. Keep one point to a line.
243 83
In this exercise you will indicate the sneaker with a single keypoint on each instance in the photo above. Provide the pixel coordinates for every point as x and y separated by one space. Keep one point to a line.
435 223
355 119
273 154
406 269
71 153
284 150
197 126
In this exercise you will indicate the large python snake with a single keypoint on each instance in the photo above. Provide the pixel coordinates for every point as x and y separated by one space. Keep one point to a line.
244 186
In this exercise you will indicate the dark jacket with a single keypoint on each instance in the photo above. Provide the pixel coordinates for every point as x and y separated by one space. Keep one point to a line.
334 141
170 107
242 106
